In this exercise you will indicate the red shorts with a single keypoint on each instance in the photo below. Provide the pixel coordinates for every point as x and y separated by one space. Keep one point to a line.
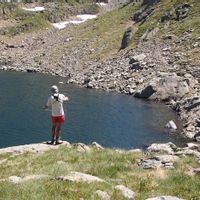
58 119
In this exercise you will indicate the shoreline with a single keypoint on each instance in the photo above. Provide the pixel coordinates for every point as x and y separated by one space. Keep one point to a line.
69 81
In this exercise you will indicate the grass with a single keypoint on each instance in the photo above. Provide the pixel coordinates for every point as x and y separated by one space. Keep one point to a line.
115 168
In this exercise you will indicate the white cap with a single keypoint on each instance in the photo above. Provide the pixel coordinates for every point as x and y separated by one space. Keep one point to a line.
54 89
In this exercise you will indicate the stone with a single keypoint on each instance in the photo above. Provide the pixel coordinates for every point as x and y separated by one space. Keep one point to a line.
102 195
150 163
166 147
82 147
197 137
168 86
197 171
165 161
97 146
126 192
135 151
166 158
33 148
164 198
146 92
139 57
171 125
16 179
79 177
126 38
142 14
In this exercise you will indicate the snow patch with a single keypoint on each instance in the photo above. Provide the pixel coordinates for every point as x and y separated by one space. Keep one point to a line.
83 18
102 4
36 9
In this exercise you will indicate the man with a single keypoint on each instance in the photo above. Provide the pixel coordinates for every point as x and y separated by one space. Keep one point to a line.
55 102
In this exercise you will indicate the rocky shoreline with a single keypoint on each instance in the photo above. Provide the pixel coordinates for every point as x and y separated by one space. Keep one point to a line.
150 71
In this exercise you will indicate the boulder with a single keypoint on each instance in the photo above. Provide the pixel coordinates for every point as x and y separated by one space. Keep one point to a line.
166 147
82 147
79 177
16 179
102 195
126 192
171 125
165 87
165 161
146 92
97 146
142 14
126 38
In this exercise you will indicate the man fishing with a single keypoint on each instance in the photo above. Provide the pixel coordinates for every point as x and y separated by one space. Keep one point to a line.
55 102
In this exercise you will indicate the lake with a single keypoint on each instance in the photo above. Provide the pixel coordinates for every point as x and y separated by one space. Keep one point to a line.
111 119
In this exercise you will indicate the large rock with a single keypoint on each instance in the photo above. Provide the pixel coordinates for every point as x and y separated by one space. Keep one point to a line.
165 161
165 87
150 2
102 195
142 14
126 192
16 179
80 177
33 148
126 38
167 147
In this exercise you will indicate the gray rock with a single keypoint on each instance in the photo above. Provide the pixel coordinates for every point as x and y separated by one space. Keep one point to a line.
150 163
126 192
97 146
16 179
167 147
126 38
146 92
102 195
142 14
165 161
197 171
82 147
33 148
165 87
171 125
164 198
79 177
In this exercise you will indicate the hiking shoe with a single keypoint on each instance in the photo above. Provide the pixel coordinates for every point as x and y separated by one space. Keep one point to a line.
58 142
50 142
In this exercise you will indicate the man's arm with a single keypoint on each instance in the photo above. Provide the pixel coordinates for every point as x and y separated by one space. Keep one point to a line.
65 98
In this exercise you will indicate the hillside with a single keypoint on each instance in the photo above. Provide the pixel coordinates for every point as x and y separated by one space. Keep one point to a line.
78 172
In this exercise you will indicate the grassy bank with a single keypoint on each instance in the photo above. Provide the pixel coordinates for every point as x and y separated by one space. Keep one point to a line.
113 167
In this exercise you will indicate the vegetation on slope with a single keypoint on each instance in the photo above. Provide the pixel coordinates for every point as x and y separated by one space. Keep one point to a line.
113 167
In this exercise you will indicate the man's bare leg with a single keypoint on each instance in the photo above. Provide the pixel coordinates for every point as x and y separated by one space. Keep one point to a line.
57 133
53 131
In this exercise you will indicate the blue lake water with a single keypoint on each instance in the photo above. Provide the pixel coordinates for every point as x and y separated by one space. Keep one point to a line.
111 119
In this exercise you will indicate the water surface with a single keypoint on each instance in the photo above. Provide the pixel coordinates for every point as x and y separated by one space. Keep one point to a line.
111 119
